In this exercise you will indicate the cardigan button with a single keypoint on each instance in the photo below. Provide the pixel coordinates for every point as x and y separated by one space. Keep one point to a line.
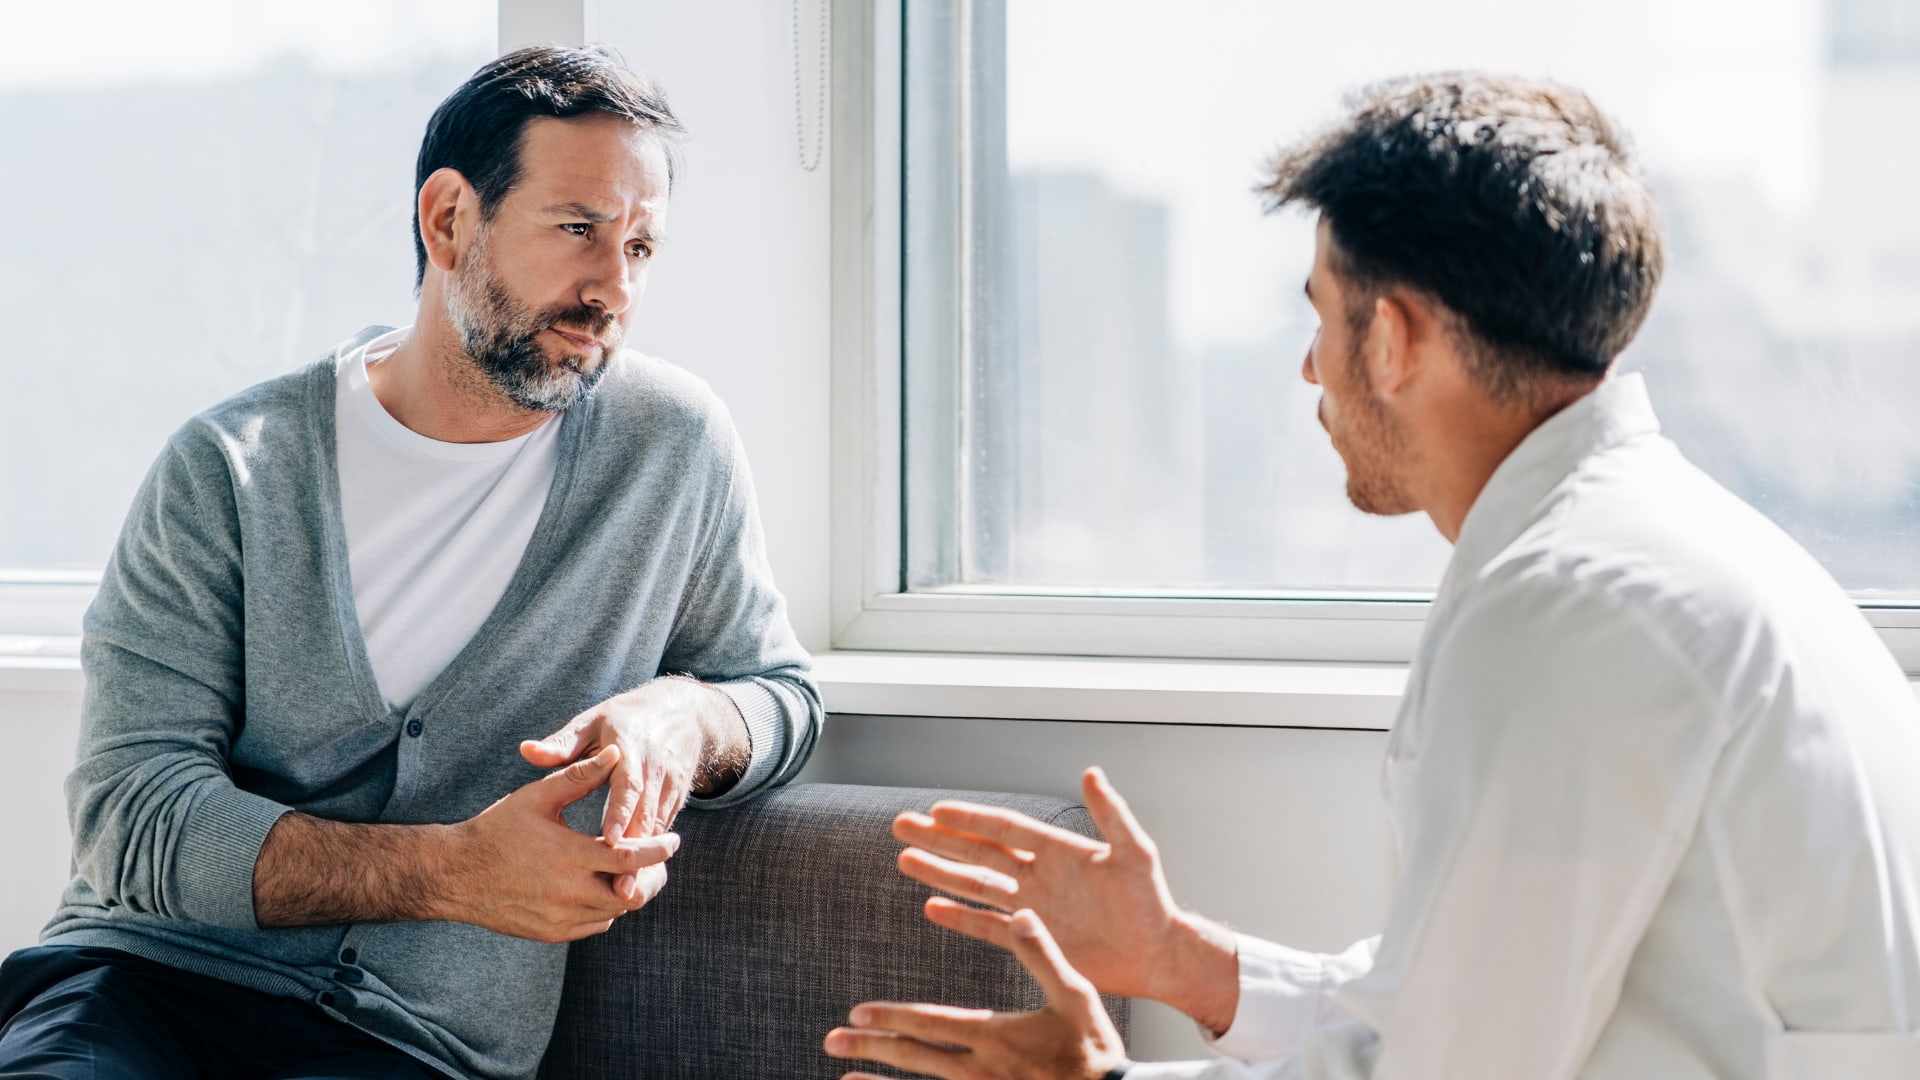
414 727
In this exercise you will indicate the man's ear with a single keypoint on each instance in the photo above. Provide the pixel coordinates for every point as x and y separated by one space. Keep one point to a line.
1393 346
449 213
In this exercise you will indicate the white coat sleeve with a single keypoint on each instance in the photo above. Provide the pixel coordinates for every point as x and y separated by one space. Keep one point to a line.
1553 785
1285 996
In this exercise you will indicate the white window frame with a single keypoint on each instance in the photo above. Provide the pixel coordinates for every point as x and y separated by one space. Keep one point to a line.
872 610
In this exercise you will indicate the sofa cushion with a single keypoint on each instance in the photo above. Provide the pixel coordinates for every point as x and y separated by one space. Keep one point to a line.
778 916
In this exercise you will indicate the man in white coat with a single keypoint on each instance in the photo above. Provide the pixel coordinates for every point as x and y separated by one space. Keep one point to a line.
1655 782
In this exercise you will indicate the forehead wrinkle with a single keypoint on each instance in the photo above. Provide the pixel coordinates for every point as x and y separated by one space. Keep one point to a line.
646 212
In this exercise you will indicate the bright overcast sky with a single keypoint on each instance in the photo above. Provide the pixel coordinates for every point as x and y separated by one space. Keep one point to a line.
109 42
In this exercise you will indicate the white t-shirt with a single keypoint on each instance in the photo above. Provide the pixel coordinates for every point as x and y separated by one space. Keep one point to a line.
434 529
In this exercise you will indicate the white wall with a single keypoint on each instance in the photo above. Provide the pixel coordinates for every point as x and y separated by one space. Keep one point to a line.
39 731
739 293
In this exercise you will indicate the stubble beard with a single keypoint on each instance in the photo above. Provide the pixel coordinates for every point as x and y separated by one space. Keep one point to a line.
1374 446
500 335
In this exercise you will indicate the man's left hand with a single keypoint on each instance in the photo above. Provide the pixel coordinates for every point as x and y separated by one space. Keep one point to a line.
1071 1038
676 735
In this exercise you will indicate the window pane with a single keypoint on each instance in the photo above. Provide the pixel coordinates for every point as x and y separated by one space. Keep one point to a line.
198 194
1123 328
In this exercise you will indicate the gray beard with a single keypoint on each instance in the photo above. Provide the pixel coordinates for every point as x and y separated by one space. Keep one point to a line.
499 334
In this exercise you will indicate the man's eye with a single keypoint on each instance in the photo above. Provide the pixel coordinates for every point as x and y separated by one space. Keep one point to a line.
578 228
639 250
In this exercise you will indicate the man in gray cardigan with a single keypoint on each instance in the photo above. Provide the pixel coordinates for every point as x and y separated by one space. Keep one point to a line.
357 614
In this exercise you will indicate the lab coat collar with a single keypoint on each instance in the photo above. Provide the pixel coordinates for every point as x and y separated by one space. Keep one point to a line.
1614 412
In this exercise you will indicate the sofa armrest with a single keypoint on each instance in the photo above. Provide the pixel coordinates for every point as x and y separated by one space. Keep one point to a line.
778 917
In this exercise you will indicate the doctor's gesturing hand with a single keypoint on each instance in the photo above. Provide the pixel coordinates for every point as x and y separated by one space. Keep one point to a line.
1106 903
1070 1038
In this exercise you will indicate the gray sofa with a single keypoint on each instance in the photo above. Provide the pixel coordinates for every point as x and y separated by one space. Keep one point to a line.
777 918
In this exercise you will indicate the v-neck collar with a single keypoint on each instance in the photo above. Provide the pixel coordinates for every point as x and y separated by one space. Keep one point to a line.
321 397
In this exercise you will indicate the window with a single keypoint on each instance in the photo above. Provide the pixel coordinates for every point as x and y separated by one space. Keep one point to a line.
1101 333
200 194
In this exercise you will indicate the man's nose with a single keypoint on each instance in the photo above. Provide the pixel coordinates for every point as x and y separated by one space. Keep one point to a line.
1306 365
611 286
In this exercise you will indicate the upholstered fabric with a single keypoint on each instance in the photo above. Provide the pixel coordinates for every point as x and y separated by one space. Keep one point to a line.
779 916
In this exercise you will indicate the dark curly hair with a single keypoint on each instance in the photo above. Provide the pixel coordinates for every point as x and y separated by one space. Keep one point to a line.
1513 202
476 131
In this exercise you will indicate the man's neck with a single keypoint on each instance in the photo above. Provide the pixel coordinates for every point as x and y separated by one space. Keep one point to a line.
1468 445
430 385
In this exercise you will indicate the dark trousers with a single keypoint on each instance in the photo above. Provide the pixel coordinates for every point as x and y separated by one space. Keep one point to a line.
72 1013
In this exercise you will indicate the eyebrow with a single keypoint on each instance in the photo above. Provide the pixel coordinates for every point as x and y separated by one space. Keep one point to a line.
579 210
588 213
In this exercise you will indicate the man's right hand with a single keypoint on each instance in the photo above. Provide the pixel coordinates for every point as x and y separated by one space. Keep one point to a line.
519 869
1107 904
515 868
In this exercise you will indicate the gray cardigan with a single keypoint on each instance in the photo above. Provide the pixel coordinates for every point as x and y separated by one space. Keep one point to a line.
227 682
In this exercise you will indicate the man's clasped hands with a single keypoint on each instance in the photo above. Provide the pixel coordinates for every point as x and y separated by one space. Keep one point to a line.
520 869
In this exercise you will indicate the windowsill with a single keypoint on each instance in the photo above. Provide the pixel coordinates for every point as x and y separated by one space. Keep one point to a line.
1105 690
39 664
1112 690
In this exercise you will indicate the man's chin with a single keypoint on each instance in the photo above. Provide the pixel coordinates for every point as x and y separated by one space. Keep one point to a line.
556 389
564 358
1370 499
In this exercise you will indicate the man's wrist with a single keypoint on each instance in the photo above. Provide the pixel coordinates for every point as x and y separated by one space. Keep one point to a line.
1201 974
441 861
725 746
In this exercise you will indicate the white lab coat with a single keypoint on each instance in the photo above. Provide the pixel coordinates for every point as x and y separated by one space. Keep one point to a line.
1656 793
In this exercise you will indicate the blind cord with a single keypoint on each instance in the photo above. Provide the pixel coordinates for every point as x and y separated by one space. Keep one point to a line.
810 158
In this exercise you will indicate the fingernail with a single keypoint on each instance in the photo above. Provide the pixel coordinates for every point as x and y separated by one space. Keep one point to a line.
860 1015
